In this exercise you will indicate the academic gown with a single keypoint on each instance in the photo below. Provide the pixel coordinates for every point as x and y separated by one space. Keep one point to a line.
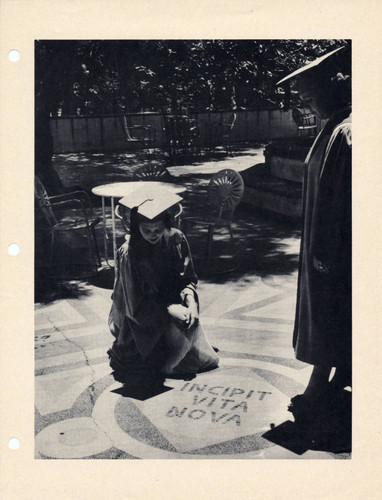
322 331
150 278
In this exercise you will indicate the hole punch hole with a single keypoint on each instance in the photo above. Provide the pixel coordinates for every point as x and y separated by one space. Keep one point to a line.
13 249
14 55
14 444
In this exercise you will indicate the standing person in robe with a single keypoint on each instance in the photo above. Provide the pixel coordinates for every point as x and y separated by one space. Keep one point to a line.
155 312
322 332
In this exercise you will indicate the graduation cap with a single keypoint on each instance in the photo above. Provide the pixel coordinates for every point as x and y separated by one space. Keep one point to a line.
151 201
309 65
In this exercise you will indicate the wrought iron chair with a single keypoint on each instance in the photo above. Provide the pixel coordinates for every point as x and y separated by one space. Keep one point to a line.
151 172
143 134
305 120
221 134
225 191
63 213
181 136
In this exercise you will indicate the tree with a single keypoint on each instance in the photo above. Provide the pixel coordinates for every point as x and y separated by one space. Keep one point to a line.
102 76
119 76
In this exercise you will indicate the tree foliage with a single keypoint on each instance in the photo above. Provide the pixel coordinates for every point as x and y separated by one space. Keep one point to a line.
108 76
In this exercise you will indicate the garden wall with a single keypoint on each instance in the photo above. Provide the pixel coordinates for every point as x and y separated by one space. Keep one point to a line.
105 132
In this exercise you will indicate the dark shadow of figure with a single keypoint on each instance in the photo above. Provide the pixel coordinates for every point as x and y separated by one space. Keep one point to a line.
329 431
141 388
142 383
143 380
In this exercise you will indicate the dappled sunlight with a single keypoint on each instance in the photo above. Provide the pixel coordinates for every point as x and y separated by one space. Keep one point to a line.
49 289
264 244
92 169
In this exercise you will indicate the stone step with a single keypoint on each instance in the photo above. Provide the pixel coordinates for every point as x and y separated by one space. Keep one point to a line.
289 169
262 190
291 207
289 147
285 157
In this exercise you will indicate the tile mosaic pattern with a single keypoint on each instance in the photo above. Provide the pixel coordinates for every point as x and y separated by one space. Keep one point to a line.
80 412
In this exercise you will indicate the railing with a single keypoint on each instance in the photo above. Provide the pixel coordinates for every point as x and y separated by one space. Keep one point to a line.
100 133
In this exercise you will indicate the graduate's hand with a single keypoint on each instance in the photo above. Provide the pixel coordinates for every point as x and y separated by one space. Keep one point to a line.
179 312
192 307
193 315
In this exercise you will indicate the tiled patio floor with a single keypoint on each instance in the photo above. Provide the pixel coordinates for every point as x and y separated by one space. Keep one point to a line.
236 411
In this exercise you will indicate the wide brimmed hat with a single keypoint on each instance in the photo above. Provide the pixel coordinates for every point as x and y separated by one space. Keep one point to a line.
309 65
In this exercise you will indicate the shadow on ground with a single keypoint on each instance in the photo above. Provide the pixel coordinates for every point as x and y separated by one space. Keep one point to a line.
264 243
48 288
141 392
93 169
330 431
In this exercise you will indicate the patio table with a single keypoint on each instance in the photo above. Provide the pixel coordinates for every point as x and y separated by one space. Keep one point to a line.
117 190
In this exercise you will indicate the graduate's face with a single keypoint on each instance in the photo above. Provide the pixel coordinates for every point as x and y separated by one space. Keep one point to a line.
152 231
314 95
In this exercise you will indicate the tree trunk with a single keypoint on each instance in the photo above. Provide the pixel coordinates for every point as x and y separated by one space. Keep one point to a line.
43 155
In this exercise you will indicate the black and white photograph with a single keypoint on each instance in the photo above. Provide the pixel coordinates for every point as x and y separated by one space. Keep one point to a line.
193 236
190 284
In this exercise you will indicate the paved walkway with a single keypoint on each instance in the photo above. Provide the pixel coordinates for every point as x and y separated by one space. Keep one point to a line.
236 411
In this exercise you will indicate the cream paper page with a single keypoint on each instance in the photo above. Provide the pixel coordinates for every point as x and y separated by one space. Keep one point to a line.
23 21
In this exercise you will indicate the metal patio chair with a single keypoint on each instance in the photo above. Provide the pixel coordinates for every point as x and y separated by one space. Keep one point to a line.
182 136
151 172
220 134
225 191
69 212
305 121
139 134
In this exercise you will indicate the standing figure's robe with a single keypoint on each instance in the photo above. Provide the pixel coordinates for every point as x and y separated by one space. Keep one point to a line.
149 279
322 332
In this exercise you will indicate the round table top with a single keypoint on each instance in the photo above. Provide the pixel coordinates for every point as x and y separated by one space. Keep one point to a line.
121 189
